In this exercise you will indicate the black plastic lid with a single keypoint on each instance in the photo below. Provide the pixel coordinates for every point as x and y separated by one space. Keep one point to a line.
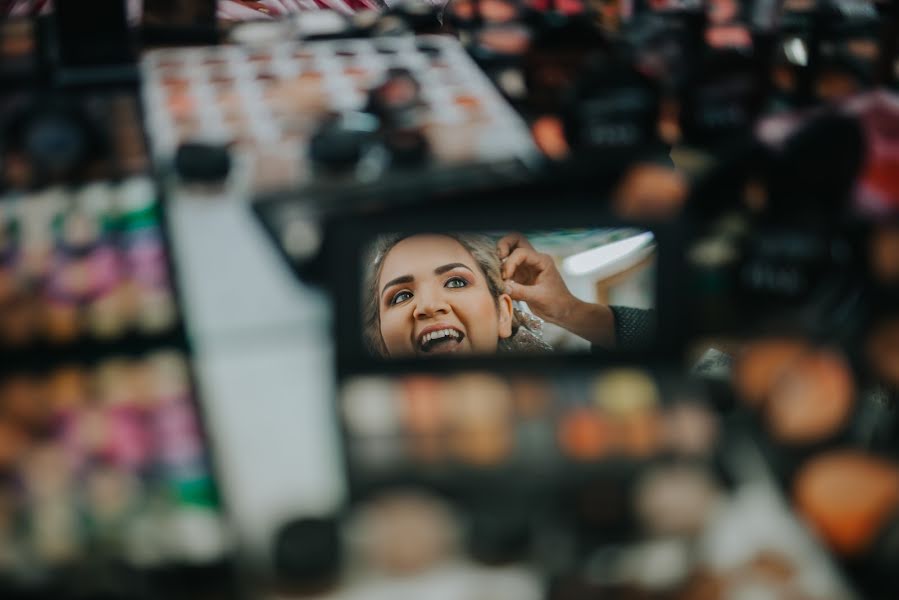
407 147
307 552
337 149
201 162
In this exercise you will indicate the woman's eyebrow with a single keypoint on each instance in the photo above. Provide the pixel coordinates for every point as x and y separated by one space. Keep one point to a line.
397 281
450 267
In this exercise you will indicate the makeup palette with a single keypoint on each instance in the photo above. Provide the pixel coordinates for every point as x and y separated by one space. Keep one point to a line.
84 264
528 431
105 461
269 105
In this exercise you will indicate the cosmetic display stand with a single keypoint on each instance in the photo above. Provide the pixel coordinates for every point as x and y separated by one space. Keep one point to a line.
261 343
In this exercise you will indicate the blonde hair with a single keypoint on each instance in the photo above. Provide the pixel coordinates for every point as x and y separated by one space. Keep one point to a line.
483 250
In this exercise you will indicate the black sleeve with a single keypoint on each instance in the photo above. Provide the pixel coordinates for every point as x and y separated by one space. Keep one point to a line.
634 327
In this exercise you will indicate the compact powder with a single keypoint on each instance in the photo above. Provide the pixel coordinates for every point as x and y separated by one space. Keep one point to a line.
847 496
813 399
761 364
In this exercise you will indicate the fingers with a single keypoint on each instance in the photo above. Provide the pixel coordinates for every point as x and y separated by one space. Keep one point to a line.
510 242
523 257
517 291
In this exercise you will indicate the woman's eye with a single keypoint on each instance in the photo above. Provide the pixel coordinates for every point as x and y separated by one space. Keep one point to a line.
456 282
400 297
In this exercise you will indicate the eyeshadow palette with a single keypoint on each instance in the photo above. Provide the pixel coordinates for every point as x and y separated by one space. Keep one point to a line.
84 264
325 109
105 462
526 430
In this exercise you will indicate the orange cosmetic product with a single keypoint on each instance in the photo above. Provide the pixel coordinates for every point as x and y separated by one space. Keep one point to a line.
483 446
762 364
584 435
813 400
641 433
423 411
847 495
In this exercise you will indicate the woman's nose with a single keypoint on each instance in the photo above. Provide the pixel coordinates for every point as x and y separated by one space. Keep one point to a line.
430 304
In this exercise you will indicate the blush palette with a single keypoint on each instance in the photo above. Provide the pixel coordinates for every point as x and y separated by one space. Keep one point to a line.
266 104
84 264
433 428
99 459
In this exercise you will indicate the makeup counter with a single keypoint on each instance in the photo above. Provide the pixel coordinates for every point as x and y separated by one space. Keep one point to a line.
193 196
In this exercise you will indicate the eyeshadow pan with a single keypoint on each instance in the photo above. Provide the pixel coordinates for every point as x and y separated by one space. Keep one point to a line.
812 400
761 364
423 407
584 435
625 391
485 445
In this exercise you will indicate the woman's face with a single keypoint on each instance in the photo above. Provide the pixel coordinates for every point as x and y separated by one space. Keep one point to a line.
434 299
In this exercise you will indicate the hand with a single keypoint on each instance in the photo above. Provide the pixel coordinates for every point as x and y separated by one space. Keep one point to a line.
532 277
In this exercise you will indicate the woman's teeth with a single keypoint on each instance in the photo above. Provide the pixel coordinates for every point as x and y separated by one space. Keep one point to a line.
436 335
439 336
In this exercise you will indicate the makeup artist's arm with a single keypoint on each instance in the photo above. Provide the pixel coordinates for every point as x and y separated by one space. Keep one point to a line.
533 278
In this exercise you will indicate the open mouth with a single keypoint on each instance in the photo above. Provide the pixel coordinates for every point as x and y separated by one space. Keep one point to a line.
440 341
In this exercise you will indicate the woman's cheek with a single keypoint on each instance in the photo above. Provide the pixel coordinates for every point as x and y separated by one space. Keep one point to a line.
396 331
483 327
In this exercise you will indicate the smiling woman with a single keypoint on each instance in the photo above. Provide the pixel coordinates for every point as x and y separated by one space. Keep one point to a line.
441 294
